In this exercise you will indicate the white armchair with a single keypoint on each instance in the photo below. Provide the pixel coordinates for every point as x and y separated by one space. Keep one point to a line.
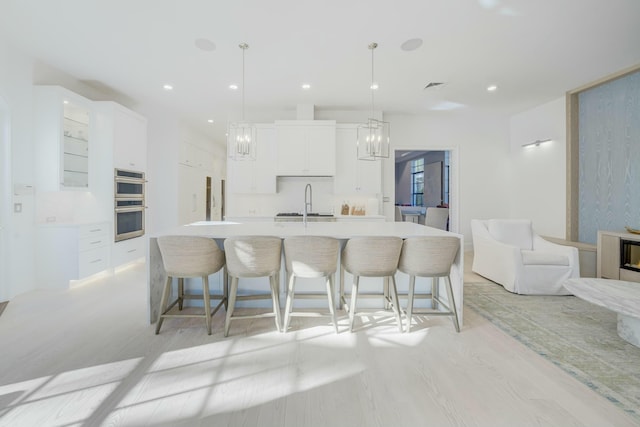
509 252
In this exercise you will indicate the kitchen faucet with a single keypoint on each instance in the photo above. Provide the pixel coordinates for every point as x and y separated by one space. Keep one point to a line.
308 207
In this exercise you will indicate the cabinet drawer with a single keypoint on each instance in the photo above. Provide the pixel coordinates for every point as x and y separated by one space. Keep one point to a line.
129 250
92 242
92 230
93 261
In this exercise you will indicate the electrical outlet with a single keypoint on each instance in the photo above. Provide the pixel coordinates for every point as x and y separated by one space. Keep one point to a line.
17 207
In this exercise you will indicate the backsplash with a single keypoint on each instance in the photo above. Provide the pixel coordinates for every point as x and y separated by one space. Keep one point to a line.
290 198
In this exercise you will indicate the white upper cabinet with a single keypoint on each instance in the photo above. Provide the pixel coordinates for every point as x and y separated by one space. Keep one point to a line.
306 147
255 176
63 131
130 140
353 175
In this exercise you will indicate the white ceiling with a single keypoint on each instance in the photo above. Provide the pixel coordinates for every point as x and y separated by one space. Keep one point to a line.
534 50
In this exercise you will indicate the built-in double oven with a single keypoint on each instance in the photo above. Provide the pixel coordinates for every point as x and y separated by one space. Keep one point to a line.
129 205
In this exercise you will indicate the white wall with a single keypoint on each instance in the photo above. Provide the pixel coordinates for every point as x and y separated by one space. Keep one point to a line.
479 145
538 174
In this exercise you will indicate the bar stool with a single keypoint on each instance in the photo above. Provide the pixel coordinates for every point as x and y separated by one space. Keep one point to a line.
253 256
371 257
310 257
185 257
430 256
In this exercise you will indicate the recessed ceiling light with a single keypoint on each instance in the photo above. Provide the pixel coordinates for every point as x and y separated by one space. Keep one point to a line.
411 44
65 102
492 88
210 121
233 87
374 86
167 87
205 44
306 86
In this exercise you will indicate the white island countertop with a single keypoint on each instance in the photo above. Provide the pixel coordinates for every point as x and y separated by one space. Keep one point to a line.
339 230
220 230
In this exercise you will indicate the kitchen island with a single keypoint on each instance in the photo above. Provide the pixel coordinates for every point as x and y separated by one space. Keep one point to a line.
220 230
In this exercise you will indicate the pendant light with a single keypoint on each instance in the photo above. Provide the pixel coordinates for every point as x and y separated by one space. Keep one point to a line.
241 141
373 136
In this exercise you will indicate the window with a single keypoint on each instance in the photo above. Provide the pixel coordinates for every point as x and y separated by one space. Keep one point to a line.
417 182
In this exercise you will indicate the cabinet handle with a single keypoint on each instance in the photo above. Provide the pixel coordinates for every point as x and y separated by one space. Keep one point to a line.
95 230
131 251
95 261
96 242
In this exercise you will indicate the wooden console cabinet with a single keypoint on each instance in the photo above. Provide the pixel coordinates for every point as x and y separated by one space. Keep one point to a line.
608 256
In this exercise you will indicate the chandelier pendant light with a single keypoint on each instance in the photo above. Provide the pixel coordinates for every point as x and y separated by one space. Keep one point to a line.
373 136
241 140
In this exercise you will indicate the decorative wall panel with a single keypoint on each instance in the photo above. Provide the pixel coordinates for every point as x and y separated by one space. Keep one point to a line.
609 157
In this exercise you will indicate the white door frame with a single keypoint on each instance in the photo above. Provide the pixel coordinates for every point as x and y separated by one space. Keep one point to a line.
5 199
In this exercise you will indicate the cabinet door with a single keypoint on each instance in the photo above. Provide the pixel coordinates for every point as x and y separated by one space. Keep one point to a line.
257 176
353 175
345 181
291 150
130 141
369 176
321 150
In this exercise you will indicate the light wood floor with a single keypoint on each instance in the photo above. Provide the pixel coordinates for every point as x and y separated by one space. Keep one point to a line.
88 357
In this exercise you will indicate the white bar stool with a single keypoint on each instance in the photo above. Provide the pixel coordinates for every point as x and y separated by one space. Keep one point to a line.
310 257
184 257
371 257
430 256
253 256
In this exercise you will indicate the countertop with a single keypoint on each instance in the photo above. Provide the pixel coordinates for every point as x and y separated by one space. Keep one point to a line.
339 230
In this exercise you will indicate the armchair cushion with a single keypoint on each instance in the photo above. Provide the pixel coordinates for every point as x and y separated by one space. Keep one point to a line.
543 258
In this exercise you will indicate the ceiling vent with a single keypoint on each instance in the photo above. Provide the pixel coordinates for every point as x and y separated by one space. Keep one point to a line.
432 85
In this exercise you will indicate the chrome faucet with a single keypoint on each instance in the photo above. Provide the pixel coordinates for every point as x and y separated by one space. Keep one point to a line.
308 207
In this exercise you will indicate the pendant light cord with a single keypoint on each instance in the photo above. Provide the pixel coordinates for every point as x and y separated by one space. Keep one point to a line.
244 47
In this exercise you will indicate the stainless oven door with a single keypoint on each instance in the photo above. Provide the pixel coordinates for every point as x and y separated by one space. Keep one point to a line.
129 184
129 219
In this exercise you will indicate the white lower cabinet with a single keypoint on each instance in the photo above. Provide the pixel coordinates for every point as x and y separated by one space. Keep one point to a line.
129 250
71 252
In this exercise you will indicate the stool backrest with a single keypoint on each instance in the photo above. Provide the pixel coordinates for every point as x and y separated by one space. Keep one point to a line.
428 256
253 256
372 256
311 256
190 256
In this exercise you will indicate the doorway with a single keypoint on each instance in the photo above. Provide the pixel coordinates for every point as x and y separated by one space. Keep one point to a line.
5 198
426 178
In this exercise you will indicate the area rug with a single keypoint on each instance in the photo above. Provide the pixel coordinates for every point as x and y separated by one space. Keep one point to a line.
579 337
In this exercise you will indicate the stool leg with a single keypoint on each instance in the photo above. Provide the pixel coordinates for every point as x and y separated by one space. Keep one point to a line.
207 302
332 307
180 292
452 303
163 303
354 296
225 288
385 293
287 308
341 299
396 306
276 300
233 291
435 291
412 287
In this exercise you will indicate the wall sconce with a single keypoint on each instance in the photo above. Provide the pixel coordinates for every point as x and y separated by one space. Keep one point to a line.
536 142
